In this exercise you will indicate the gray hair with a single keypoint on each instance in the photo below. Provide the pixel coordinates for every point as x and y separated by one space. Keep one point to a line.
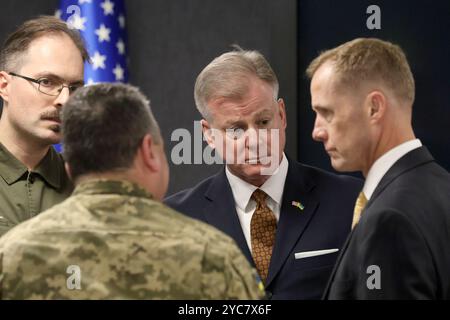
227 77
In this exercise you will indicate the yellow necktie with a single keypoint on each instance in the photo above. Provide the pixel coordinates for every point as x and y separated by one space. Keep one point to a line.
263 227
359 206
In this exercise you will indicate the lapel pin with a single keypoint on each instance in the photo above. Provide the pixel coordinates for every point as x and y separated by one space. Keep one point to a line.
298 205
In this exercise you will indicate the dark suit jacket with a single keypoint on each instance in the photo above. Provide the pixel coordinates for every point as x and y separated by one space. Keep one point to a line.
405 231
324 223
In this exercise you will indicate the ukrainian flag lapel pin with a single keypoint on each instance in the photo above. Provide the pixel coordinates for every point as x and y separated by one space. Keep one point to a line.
298 204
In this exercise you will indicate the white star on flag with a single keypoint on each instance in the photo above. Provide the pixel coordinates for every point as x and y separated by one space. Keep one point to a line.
120 46
108 7
103 33
58 14
98 61
103 24
121 21
77 22
118 72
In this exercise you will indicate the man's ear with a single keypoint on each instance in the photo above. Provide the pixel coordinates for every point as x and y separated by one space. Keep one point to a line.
148 153
282 111
68 170
376 105
208 133
4 81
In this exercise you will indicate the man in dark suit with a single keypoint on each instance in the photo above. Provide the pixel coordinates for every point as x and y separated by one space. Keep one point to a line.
289 219
362 93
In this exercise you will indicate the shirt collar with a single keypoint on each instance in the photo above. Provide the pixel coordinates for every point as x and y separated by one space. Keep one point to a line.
50 168
384 163
273 187
11 169
107 186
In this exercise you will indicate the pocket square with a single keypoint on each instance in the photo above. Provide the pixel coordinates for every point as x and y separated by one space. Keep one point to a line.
307 254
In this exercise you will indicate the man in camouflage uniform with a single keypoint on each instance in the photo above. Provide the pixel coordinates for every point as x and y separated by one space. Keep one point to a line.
113 238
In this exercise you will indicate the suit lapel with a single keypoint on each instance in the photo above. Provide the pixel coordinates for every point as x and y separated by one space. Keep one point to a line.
293 220
220 212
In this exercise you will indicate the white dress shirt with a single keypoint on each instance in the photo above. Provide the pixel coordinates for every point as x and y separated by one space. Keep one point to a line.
245 205
384 163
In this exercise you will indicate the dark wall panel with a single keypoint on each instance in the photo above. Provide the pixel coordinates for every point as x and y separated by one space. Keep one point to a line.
419 27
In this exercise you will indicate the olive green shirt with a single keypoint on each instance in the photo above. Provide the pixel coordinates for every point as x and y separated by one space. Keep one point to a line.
24 193
112 240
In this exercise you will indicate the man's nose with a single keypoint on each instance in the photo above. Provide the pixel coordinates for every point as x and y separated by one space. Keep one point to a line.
63 96
319 132
252 138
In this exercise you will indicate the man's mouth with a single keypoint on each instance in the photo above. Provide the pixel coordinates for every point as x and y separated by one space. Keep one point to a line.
54 120
252 161
51 115
262 160
58 120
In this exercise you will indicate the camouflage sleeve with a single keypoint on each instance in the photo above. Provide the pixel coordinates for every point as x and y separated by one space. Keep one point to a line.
244 282
228 275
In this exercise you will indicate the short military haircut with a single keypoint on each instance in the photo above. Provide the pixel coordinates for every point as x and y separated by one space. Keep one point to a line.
369 59
227 77
18 42
103 126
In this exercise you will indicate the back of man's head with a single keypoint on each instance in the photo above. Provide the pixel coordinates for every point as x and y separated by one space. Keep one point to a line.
368 59
103 128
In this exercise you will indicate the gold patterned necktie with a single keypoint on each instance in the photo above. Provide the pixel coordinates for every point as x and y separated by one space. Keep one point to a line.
262 231
359 206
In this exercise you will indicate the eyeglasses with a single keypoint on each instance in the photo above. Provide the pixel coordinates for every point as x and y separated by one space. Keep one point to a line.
48 86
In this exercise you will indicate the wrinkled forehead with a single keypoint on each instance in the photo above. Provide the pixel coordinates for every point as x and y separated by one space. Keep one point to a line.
226 112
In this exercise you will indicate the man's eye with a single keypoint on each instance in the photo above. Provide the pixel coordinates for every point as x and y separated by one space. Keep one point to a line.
264 122
235 133
72 89
46 82
326 114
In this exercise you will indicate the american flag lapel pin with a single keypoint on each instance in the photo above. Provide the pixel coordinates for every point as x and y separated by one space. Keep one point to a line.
298 204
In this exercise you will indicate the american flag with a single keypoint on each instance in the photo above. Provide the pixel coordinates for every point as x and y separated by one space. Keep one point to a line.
102 24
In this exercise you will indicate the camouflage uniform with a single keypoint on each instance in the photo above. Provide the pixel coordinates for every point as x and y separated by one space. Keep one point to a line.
125 245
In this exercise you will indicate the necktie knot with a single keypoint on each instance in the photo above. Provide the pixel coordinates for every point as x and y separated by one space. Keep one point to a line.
260 197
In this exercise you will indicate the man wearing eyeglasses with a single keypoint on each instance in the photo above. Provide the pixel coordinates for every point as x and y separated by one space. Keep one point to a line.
41 64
